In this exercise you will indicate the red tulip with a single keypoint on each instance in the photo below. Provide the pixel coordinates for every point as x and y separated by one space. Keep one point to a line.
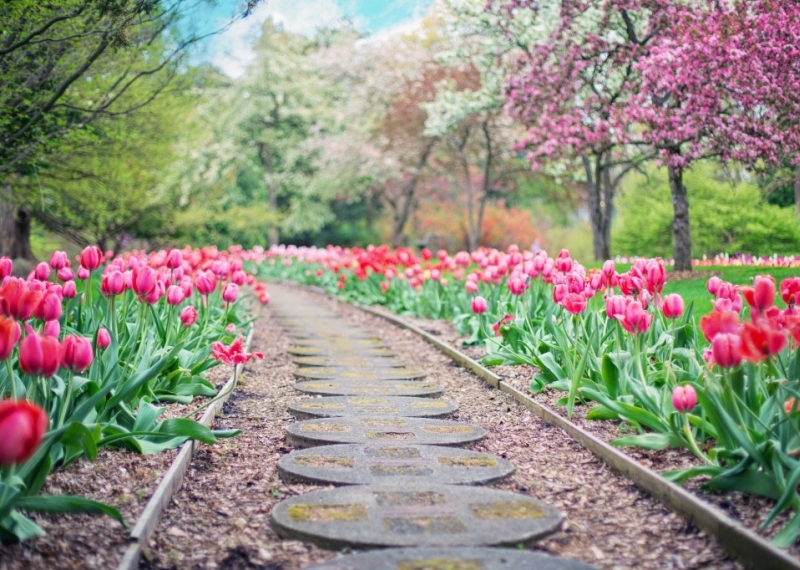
39 355
726 350
59 260
426 254
479 305
9 335
718 322
233 354
672 305
761 295
28 301
188 316
76 353
22 426
174 295
103 338
49 308
684 398
230 293
761 340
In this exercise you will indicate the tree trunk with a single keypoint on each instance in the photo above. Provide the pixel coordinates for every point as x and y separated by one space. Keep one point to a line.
682 249
15 227
797 188
402 213
601 234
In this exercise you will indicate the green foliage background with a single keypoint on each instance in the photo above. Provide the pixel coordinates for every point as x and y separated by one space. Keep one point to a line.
726 216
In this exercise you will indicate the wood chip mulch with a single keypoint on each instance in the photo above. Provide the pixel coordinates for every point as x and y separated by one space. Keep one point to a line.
220 517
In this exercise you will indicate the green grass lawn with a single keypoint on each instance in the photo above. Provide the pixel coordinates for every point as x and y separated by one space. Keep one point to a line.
694 290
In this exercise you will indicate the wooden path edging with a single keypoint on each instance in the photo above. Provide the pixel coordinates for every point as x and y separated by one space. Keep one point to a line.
752 550
148 521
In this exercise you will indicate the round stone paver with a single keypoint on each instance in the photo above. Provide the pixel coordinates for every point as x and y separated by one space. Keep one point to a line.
382 429
340 341
354 406
460 558
351 361
339 351
400 465
366 388
417 515
360 373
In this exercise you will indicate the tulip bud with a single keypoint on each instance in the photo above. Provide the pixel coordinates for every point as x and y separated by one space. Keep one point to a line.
76 353
672 305
39 355
155 294
112 283
59 260
205 282
9 335
239 277
52 329
28 301
65 274
188 316
230 293
49 308
22 426
726 349
609 268
42 271
69 290
103 338
6 267
684 398
91 258
83 273
471 287
479 305
174 259
143 280
174 295
713 284
559 293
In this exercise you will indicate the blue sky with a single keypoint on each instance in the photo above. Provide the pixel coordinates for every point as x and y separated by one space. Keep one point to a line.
231 51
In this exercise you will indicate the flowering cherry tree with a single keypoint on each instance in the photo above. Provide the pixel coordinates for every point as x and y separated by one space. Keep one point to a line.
725 82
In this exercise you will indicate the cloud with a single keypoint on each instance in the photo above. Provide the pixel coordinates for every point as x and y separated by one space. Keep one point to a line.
232 51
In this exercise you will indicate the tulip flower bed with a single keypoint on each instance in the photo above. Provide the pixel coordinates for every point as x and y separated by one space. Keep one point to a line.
93 357
723 387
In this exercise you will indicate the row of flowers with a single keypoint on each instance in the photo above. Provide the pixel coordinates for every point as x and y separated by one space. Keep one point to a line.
93 353
724 386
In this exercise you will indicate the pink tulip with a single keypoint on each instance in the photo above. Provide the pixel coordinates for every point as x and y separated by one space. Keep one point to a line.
174 259
65 274
712 285
174 295
69 290
9 335
59 260
22 426
726 349
49 308
154 295
239 277
6 267
609 268
91 257
52 328
188 316
112 283
143 280
39 356
615 305
684 398
76 353
559 293
672 305
103 338
83 273
574 303
479 305
230 293
42 271
205 282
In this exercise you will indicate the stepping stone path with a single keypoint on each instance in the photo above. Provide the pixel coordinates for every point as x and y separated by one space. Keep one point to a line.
367 388
358 373
402 488
358 406
375 464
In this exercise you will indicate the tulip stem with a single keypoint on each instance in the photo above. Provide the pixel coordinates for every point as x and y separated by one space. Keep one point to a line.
218 396
65 403
12 379
687 431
